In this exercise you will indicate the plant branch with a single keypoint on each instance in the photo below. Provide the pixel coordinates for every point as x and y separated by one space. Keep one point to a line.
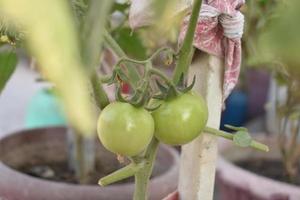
219 133
259 146
186 51
125 172
282 138
156 53
143 175
254 144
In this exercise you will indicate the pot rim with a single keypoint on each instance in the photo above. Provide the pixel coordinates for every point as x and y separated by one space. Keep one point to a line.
259 185
24 178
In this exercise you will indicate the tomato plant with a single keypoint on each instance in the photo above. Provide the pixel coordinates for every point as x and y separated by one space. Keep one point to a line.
124 129
180 119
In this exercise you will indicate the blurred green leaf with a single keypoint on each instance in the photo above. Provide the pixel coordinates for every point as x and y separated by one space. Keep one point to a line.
295 115
280 40
131 43
52 38
121 7
92 32
8 32
8 63
257 15
281 79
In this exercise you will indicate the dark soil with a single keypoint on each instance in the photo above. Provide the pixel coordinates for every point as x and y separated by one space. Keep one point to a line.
60 172
273 169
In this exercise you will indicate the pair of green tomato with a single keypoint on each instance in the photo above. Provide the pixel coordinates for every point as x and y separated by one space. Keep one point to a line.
127 130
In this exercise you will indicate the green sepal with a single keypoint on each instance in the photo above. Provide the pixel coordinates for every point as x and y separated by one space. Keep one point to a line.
135 96
119 96
190 87
181 82
172 92
159 96
141 101
153 108
164 89
137 102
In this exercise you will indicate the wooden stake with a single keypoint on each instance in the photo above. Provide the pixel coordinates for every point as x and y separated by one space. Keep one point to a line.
198 158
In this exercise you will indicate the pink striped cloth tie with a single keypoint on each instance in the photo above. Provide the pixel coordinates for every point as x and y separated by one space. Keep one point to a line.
219 31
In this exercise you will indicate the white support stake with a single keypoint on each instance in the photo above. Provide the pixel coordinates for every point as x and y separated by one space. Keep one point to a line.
198 158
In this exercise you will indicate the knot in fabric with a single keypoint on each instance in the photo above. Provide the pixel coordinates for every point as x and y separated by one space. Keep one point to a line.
233 25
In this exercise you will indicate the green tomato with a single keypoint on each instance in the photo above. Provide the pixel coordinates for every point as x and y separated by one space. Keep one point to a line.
180 119
124 129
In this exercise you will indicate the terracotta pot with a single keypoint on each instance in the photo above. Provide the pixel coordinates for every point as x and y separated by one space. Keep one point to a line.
48 145
235 183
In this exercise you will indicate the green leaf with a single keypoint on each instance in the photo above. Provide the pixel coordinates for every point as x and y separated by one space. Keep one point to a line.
159 96
242 139
131 43
153 108
8 62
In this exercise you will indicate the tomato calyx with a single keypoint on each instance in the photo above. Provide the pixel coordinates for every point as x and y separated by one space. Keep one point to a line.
142 91
170 91
138 99
152 84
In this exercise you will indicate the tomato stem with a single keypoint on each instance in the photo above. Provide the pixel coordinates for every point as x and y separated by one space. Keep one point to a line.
254 144
186 51
123 173
219 133
143 175
259 146
124 58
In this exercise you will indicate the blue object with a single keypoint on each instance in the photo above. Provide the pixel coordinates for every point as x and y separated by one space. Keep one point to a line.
236 110
44 110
